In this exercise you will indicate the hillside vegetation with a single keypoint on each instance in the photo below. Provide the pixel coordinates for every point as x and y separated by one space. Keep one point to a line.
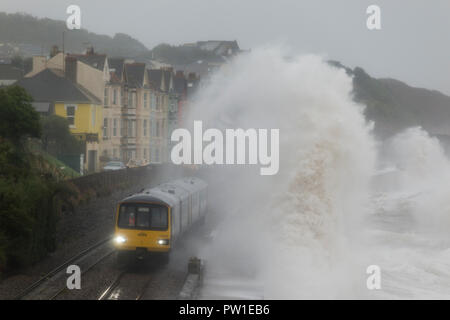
22 28
29 187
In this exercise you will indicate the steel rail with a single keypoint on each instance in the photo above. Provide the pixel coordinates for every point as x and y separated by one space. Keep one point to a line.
58 269
84 272
144 289
113 285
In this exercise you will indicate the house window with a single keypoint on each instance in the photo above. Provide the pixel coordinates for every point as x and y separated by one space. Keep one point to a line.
145 128
115 128
153 101
122 128
115 96
157 155
153 127
145 154
70 113
131 128
105 127
157 128
106 97
145 100
130 99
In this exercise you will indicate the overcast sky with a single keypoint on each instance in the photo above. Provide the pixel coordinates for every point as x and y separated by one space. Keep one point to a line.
413 44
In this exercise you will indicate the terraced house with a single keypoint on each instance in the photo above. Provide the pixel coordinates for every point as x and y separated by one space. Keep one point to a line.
136 108
136 114
161 84
114 121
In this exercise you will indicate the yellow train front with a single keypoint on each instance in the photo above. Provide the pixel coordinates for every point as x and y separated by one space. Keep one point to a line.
154 219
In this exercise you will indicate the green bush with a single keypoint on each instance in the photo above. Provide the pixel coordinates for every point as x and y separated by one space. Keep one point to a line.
27 194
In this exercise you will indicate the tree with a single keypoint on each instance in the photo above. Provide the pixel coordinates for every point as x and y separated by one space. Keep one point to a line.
18 119
56 137
27 192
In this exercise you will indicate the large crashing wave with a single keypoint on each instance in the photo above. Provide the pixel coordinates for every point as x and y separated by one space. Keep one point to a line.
295 228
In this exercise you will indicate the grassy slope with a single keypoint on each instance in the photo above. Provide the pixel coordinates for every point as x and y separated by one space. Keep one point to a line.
49 163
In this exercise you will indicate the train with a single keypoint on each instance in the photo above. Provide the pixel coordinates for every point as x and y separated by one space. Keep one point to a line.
152 220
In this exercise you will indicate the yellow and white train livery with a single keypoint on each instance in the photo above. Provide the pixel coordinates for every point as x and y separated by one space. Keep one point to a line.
153 219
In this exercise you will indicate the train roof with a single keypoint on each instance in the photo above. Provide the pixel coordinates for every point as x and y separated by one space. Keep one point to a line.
169 193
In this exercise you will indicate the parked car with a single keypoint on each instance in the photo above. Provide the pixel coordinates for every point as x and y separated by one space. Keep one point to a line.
114 165
132 163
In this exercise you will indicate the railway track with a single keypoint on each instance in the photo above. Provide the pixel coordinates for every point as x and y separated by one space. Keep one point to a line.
53 283
107 293
116 287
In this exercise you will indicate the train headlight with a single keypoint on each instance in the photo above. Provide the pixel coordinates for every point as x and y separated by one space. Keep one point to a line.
120 239
163 242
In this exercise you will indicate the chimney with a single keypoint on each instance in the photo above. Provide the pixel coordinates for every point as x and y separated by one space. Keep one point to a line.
90 51
54 51
71 68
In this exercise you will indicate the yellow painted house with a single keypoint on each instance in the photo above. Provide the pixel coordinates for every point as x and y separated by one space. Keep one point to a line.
55 94
84 118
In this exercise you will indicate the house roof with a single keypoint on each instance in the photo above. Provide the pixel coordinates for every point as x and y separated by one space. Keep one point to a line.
113 78
9 72
41 106
219 47
135 73
117 64
50 86
167 78
180 84
94 60
155 78
201 67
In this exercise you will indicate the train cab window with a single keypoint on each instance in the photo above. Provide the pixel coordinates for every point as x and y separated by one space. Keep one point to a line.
142 216
159 217
127 216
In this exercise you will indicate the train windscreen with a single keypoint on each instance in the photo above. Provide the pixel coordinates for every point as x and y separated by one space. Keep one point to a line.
143 216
